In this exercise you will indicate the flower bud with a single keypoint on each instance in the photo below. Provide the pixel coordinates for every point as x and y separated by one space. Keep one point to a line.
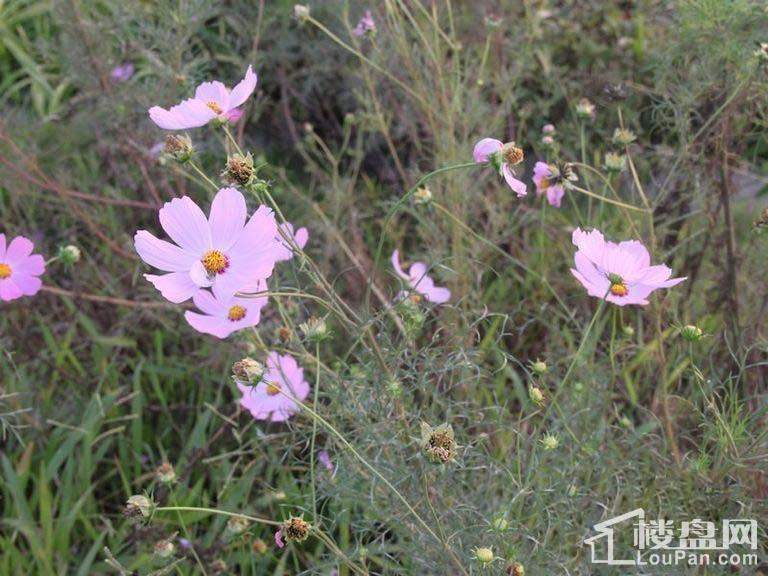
138 506
484 555
247 371
422 196
691 333
548 129
179 147
69 255
165 548
515 569
394 388
536 395
623 136
547 141
301 12
165 473
628 330
237 525
500 524
239 169
438 443
550 442
585 110
259 546
314 329
539 367
614 163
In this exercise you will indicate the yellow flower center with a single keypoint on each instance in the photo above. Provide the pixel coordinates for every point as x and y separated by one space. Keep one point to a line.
215 107
273 389
215 262
544 184
5 271
619 289
236 313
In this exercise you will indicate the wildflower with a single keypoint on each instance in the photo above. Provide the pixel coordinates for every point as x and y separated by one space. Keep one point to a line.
19 269
536 395
550 442
614 163
239 169
623 136
314 329
515 569
184 543
420 282
275 397
301 12
620 273
69 255
548 129
547 141
212 101
484 555
285 248
553 180
247 371
325 459
365 26
224 314
223 251
394 388
237 524
691 333
138 505
539 367
292 530
502 157
165 473
165 548
178 147
438 443
259 546
422 196
585 110
122 73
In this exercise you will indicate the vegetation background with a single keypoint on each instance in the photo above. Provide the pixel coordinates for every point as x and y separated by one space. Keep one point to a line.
101 382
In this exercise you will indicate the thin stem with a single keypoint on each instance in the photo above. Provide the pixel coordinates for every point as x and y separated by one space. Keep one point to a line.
256 519
202 175
314 435
609 200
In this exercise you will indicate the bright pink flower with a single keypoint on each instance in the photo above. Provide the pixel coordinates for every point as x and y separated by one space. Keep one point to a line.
225 313
420 282
503 157
547 184
273 398
212 101
279 539
623 271
19 269
300 237
365 25
221 251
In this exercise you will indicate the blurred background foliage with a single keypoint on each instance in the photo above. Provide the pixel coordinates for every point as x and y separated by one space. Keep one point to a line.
97 393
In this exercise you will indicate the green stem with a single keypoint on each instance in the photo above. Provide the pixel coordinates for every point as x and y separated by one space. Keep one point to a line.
314 435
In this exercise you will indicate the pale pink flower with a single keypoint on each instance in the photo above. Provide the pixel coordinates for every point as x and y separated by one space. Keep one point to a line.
224 314
365 25
122 73
212 101
502 157
547 183
273 398
325 459
420 282
221 251
19 269
300 237
621 273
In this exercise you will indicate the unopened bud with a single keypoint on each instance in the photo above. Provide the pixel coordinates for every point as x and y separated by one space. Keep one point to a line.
247 371
500 523
438 443
484 555
165 473
237 525
259 546
623 136
314 329
628 330
548 129
691 333
585 109
138 506
422 196
550 442
179 147
395 388
614 163
539 367
69 255
536 395
762 52
165 548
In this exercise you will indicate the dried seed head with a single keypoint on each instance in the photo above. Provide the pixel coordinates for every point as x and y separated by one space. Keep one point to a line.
138 506
438 443
259 546
164 548
295 529
237 525
511 154
247 371
515 569
239 169
165 473
284 333
179 147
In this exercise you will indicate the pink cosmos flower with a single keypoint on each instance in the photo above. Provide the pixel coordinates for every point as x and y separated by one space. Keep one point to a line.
225 313
300 237
365 25
122 73
273 398
621 271
502 157
546 183
420 282
19 269
221 251
212 101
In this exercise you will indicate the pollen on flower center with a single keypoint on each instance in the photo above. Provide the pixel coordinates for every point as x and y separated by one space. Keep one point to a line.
236 313
273 389
5 271
215 262
619 289
215 107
